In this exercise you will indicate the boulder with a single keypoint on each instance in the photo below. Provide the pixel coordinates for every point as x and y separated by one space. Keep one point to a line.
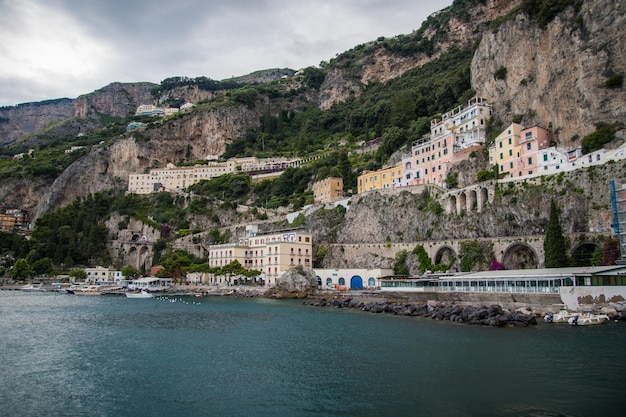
294 283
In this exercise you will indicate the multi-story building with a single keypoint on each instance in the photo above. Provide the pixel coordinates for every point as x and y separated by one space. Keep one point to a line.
328 190
100 274
518 151
7 222
10 219
172 178
459 129
379 180
271 253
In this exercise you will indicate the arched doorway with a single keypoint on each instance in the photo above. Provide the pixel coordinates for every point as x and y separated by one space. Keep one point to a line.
371 282
520 256
356 283
445 256
583 254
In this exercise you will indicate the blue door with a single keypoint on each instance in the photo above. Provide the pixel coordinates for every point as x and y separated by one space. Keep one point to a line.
356 283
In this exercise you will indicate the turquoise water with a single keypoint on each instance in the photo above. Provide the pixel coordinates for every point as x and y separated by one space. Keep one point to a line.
65 355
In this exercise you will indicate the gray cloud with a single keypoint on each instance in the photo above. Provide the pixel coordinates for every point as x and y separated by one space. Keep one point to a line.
64 48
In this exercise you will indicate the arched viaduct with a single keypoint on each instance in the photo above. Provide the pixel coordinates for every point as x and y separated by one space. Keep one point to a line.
468 199
514 252
138 252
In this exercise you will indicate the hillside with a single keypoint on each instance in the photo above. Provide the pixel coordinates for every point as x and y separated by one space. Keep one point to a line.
558 64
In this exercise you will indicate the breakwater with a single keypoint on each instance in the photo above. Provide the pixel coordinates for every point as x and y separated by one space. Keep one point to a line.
493 315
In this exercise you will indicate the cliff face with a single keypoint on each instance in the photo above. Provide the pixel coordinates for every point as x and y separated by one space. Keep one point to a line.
445 29
17 121
115 100
556 77
190 137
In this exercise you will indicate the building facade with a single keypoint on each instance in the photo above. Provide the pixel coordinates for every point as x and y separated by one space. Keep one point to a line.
380 180
459 129
328 190
519 151
99 275
271 253
175 179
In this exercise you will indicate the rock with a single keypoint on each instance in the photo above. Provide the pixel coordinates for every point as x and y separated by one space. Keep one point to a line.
294 283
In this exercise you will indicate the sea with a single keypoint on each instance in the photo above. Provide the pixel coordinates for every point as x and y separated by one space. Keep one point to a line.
69 355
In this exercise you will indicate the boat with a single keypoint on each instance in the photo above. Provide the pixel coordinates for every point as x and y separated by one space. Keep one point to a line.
85 290
561 317
142 294
33 288
587 318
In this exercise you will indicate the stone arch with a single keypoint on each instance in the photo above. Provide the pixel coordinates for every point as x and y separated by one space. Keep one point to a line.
342 281
407 166
445 255
582 253
143 259
452 206
462 203
520 255
329 281
473 201
483 199
356 282
371 282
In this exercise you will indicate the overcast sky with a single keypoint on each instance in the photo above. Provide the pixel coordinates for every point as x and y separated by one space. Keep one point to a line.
64 48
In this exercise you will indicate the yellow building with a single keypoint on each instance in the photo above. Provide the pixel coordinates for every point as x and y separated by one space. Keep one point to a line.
328 190
7 222
379 180
271 253
506 149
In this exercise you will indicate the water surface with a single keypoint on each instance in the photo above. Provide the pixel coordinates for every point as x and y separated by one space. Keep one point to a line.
65 355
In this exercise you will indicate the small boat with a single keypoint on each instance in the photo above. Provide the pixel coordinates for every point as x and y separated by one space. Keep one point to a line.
142 294
85 290
561 317
33 288
587 319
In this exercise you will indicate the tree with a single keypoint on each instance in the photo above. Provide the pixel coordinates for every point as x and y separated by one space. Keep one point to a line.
21 269
399 265
426 264
78 274
129 271
42 266
554 245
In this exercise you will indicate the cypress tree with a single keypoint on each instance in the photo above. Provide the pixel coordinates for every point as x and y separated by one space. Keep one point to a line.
554 246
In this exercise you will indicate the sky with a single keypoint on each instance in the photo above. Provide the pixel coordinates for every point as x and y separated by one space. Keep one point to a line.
65 48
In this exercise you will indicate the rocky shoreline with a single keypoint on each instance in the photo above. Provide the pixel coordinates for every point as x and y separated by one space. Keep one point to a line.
492 315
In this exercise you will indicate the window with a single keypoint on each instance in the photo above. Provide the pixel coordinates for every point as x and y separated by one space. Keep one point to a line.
510 139
500 144
529 146
530 161
545 157
510 152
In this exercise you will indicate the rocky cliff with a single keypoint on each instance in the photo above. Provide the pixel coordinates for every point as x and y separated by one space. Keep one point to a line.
20 120
556 76
518 209
115 100
191 136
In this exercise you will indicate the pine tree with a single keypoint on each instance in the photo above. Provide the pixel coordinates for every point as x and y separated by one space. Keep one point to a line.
554 245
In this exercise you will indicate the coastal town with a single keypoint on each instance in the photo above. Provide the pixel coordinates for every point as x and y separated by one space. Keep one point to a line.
518 154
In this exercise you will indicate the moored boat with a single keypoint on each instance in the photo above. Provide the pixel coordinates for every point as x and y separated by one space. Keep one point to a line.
142 294
561 317
33 288
86 290
587 318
